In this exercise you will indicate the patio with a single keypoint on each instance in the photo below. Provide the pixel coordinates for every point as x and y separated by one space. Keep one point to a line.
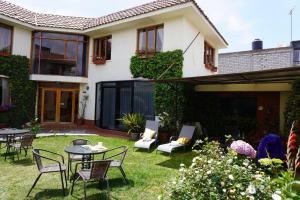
146 172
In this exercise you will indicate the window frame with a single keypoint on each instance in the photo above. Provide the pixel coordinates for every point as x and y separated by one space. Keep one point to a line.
11 39
41 36
147 52
209 59
98 41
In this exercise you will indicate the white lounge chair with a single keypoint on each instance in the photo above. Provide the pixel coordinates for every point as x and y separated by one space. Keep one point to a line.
186 132
146 144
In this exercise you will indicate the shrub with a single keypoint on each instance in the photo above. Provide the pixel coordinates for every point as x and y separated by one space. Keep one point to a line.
215 174
22 90
134 122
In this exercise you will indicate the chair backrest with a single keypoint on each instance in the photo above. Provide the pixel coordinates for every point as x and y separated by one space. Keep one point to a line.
80 142
37 158
99 169
27 140
10 139
152 125
118 156
187 131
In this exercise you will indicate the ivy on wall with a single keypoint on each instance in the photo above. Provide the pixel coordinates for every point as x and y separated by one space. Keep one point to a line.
22 90
168 96
292 109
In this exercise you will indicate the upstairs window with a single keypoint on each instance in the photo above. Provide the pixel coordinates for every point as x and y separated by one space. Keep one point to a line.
102 50
209 54
5 40
150 41
59 54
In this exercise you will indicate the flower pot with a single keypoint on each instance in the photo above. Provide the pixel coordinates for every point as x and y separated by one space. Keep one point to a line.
80 121
134 136
164 137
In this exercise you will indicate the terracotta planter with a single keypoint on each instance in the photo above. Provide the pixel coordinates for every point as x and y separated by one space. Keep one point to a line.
134 136
80 121
164 137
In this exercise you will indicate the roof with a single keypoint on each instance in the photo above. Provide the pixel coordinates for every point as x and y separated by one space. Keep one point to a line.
281 75
82 23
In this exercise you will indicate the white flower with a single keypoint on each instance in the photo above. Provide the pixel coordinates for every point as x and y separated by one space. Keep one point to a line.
231 177
229 161
224 190
159 197
210 161
251 198
182 165
222 184
243 193
196 172
276 196
208 172
251 189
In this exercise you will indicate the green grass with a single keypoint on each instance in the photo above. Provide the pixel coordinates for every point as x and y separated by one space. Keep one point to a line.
146 173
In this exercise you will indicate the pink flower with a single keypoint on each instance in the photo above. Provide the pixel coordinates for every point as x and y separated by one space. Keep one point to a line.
244 148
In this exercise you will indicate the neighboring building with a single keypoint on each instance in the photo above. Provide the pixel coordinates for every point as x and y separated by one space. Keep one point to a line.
254 84
259 59
72 57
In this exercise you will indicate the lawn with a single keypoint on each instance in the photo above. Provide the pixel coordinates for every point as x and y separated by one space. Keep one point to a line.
146 173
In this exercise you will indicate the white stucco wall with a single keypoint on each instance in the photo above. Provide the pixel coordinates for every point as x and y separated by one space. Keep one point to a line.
178 33
21 41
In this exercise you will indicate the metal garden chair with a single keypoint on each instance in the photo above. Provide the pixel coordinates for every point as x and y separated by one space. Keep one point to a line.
118 159
25 143
75 158
57 166
97 172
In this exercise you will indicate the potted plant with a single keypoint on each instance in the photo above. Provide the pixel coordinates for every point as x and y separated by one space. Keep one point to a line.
135 125
167 127
83 104
34 126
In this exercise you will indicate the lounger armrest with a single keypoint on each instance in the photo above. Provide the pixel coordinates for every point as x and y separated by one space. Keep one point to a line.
172 138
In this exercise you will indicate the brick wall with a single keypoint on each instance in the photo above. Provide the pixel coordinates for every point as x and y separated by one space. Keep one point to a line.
255 60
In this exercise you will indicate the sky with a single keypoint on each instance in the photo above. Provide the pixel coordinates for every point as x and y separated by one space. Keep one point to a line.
239 21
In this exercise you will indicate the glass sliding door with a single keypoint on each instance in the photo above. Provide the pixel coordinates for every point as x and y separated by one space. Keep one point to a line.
108 108
115 99
66 106
49 114
59 105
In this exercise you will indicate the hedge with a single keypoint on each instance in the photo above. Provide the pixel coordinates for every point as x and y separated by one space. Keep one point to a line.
22 90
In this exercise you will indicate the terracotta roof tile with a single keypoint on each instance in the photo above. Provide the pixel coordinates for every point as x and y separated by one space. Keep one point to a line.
81 23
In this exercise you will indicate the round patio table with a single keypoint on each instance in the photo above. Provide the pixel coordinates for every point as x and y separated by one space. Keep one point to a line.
86 153
11 132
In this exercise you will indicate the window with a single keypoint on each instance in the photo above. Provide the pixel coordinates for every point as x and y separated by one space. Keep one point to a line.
297 56
209 57
150 41
4 91
209 54
102 50
5 40
59 54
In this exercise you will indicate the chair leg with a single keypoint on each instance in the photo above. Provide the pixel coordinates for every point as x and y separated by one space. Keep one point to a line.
84 189
36 180
7 151
68 170
108 188
62 183
123 174
66 179
74 181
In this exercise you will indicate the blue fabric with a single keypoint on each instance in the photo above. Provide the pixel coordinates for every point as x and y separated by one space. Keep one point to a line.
272 144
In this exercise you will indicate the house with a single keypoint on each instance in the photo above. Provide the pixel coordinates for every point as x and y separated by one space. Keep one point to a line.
250 91
77 58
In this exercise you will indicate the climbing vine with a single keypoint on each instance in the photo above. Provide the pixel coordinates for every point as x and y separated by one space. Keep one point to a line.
168 96
22 90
